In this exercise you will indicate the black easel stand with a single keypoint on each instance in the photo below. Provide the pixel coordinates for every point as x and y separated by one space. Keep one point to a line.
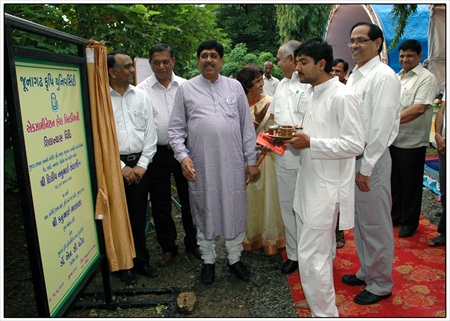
111 297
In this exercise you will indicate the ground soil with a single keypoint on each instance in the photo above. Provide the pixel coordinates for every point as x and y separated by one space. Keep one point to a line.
266 295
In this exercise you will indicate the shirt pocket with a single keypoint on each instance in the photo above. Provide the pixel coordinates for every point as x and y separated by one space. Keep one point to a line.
140 119
407 98
228 106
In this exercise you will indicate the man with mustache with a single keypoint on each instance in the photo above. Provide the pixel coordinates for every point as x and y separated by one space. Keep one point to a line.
287 108
136 135
212 135
332 136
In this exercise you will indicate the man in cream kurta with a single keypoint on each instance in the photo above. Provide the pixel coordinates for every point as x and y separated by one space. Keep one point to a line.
332 137
287 108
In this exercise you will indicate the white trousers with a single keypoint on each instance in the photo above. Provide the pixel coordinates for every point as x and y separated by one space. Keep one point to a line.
234 248
316 252
286 181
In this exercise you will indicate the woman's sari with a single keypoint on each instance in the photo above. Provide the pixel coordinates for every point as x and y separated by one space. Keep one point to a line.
265 227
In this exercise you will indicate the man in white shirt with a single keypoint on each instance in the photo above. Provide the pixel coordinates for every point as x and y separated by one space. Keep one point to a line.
161 88
136 135
419 88
270 82
378 91
287 108
331 138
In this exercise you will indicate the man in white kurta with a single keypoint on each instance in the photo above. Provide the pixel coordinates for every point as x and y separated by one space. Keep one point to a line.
212 135
287 108
332 137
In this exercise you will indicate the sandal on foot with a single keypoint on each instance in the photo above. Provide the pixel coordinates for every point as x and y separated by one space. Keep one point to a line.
437 241
340 239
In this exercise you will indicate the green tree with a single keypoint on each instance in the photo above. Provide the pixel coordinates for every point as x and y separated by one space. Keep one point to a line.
252 24
133 28
401 13
301 22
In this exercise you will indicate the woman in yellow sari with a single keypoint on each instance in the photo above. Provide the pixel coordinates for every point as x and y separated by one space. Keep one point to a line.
265 227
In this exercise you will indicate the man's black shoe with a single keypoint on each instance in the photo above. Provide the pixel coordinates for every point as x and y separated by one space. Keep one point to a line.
147 270
240 270
366 298
289 266
351 279
128 277
208 273
406 231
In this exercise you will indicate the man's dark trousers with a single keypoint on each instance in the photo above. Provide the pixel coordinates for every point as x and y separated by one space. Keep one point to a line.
407 185
137 202
160 187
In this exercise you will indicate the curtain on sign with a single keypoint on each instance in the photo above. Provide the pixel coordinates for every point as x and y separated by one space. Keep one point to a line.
111 205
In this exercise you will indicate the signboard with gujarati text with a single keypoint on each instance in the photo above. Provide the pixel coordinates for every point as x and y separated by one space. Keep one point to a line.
56 152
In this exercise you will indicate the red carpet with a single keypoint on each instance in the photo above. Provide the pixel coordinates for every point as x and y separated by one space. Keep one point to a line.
418 273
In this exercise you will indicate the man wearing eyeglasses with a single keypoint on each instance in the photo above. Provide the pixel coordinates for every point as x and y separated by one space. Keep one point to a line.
378 90
161 88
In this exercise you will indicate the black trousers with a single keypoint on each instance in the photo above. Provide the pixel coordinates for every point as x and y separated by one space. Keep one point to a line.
160 170
442 180
137 195
407 185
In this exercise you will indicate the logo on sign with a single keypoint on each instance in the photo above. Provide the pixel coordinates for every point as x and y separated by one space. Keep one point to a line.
54 102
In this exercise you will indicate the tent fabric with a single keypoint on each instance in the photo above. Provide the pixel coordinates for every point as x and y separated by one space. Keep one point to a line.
111 206
437 43
344 16
416 28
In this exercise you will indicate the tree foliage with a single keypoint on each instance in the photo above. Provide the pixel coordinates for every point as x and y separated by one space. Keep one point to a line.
301 22
252 24
401 13
133 28
239 57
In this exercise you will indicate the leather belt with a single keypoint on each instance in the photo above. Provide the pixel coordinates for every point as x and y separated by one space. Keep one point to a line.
130 157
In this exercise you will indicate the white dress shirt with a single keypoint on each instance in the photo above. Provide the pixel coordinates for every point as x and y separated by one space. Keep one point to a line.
270 85
288 106
162 101
378 90
135 125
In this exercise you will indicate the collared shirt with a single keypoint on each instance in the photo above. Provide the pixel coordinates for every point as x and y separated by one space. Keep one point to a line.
135 126
418 86
288 107
378 90
270 85
162 101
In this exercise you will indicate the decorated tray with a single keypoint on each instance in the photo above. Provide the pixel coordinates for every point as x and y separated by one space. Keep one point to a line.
277 136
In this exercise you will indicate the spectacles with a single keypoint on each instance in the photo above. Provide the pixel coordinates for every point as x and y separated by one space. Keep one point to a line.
165 62
357 41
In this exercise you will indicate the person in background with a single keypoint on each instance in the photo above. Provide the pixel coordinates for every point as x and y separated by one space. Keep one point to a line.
265 227
212 135
340 69
419 87
270 82
136 135
440 138
287 108
378 91
161 87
